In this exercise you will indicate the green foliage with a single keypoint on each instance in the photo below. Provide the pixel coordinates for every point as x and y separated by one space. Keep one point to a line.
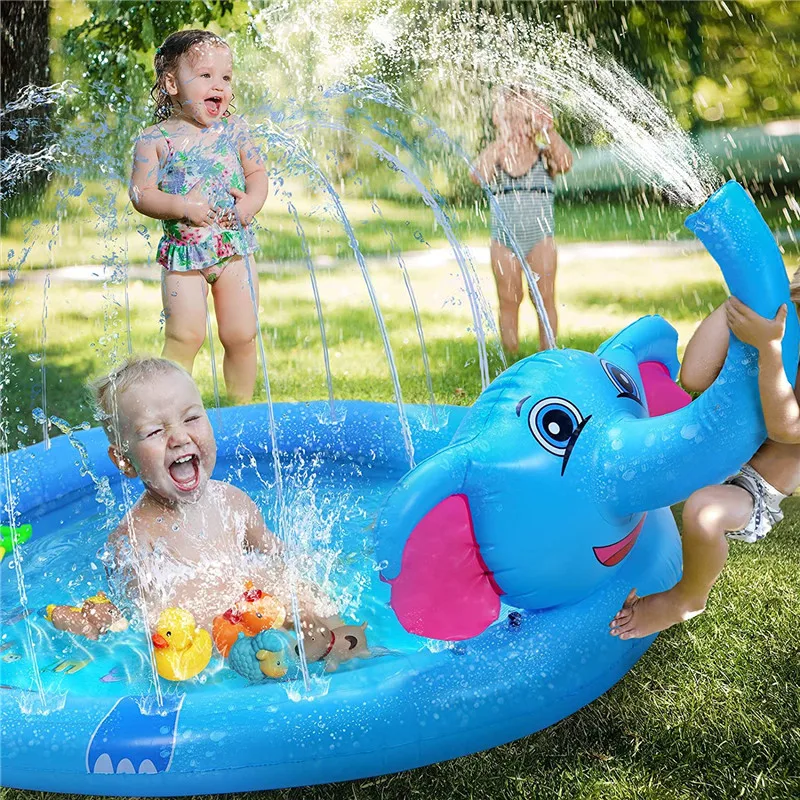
112 43
711 62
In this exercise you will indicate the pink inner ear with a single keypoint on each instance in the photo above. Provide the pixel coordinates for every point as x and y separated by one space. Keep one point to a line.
444 590
662 393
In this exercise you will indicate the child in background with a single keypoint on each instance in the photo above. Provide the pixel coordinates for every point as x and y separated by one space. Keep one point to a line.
520 165
747 505
199 172
189 542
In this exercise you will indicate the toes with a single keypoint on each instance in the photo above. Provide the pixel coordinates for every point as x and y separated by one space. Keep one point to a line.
631 599
627 631
620 618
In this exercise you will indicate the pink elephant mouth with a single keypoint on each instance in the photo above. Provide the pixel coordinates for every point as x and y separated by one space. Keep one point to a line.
611 554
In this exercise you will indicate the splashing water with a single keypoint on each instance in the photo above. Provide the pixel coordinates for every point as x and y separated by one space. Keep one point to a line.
475 50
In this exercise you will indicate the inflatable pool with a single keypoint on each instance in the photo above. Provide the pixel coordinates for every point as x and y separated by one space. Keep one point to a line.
527 588
408 708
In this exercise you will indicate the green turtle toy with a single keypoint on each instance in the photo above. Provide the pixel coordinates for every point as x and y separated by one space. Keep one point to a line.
9 537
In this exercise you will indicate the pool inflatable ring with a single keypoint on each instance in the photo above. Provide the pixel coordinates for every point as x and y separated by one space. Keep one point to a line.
106 733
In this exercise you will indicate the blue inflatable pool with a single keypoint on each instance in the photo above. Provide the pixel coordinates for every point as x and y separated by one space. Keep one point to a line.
526 523
104 733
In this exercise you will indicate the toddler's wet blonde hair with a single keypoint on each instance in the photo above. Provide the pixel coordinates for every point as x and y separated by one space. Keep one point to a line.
107 389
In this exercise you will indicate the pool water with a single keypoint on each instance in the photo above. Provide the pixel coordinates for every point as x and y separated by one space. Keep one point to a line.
329 505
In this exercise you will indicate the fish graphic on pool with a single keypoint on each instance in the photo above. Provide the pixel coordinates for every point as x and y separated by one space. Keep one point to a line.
137 736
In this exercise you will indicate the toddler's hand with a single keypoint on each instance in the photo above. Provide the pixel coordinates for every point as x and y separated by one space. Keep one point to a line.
196 209
244 210
752 328
542 121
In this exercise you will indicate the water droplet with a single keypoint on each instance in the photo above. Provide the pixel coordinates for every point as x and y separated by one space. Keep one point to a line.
690 431
35 357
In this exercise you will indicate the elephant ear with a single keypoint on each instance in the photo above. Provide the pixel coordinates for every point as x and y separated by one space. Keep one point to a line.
653 344
441 587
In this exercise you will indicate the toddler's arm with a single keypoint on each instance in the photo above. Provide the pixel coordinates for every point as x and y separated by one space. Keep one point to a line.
705 354
119 564
256 184
258 535
559 156
149 200
486 165
778 397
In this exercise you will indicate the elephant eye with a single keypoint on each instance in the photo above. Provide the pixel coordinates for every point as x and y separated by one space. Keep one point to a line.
556 424
623 381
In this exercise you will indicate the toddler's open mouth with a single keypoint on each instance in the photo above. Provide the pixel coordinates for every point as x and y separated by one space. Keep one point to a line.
185 473
213 105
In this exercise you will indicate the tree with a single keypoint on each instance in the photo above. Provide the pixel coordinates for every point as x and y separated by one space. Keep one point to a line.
113 43
24 61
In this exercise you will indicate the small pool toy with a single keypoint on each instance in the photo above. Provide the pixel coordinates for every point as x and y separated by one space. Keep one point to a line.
10 537
182 649
96 616
335 645
255 611
264 655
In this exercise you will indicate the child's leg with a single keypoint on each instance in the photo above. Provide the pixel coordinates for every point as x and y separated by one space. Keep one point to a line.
183 296
705 353
707 515
543 261
236 320
508 276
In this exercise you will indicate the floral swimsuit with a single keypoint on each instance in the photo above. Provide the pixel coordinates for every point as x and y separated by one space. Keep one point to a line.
214 163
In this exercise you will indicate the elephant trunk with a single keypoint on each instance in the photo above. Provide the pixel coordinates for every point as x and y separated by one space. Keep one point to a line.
650 463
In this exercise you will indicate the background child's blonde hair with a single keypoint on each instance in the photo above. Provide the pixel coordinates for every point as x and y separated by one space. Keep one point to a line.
131 372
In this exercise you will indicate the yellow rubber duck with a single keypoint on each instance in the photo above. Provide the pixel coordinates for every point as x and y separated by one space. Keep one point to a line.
182 649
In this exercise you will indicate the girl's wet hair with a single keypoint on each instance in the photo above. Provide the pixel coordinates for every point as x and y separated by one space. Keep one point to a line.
131 372
167 57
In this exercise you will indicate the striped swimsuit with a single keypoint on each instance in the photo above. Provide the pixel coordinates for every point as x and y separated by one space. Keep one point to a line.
526 201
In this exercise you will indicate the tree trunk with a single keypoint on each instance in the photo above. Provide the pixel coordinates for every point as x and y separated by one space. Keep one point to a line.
24 60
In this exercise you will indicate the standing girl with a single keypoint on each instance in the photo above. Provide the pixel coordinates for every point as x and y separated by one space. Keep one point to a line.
520 166
199 172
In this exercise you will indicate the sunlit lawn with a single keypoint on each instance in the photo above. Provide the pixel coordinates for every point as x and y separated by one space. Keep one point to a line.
712 710
82 223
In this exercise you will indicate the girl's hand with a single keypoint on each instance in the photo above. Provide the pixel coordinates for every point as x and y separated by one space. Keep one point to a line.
244 211
753 329
196 210
542 117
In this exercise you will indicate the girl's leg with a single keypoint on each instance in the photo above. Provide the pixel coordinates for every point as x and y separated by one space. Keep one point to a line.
508 277
236 320
543 261
707 515
183 296
705 354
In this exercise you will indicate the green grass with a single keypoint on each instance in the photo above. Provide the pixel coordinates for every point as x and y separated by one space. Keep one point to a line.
712 710
99 217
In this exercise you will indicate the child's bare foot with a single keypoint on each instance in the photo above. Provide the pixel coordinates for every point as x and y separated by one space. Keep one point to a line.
643 616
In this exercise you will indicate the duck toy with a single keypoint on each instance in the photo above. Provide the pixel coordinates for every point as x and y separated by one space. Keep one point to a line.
255 611
182 650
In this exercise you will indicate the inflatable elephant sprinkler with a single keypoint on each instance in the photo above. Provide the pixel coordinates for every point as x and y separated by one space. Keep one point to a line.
559 467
